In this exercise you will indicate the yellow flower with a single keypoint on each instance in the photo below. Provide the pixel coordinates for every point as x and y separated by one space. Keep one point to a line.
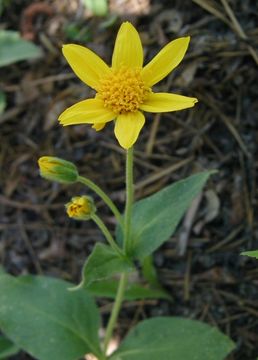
80 208
56 169
124 90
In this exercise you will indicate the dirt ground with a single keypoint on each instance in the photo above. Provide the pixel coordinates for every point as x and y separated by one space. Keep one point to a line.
200 265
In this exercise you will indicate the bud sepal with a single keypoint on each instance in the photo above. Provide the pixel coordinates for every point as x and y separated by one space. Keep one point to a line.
56 169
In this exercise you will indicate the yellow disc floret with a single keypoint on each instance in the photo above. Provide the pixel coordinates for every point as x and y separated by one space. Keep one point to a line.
123 91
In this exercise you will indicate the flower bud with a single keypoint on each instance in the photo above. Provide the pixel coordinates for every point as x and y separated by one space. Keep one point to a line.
80 208
53 168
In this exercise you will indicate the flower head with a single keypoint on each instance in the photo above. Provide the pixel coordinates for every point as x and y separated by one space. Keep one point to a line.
56 169
80 208
124 90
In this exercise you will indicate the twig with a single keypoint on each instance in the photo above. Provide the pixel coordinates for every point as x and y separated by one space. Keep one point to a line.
238 29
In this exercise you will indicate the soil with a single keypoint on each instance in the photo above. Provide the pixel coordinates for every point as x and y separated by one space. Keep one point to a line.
200 266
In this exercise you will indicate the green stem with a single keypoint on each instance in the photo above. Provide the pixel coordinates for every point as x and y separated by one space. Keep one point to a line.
129 199
115 309
83 180
107 234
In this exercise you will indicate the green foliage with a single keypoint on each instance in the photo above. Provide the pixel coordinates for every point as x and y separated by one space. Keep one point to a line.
13 48
103 263
2 271
149 271
97 7
253 253
3 5
174 338
2 102
78 32
40 316
156 217
7 348
108 288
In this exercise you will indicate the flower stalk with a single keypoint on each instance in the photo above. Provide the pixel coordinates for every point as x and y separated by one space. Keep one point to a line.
90 184
127 247
115 310
129 200
107 234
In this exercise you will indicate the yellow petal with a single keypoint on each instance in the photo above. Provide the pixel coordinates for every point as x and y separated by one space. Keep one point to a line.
128 47
90 111
165 61
98 126
88 66
163 102
128 127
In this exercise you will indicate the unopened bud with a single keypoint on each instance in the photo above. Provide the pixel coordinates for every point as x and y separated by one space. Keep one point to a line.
80 208
56 169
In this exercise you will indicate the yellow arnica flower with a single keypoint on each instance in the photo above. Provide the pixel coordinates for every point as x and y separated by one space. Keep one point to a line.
80 208
124 90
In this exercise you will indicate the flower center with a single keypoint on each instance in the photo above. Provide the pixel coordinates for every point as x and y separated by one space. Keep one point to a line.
75 210
123 91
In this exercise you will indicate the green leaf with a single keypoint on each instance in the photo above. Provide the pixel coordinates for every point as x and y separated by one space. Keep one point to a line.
253 253
42 317
174 338
97 7
108 288
3 5
150 274
156 217
7 348
2 102
76 32
149 271
2 271
13 48
103 263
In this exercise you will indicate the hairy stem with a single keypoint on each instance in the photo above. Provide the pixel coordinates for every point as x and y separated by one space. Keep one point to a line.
127 245
129 199
107 234
115 309
83 180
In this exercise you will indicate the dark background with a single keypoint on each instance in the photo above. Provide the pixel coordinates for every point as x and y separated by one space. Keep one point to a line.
200 265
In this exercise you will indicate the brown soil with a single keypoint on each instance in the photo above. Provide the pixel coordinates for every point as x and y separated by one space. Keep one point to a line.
200 265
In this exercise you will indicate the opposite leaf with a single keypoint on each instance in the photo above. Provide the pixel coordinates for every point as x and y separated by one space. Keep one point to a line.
174 338
40 316
7 348
149 272
155 218
253 253
101 264
108 288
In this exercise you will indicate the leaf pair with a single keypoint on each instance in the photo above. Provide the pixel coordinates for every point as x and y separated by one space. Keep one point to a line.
154 220
43 318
